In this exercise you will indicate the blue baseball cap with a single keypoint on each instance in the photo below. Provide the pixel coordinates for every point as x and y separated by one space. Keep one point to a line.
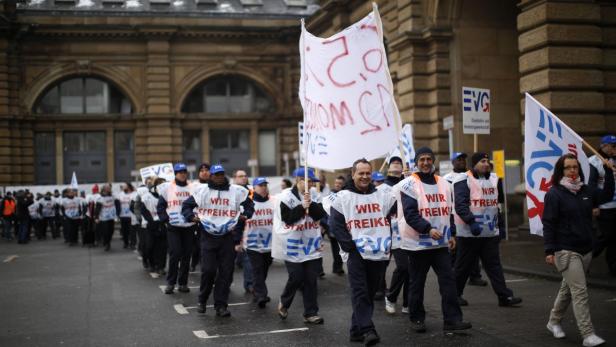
457 155
377 176
608 139
179 167
299 172
216 169
259 180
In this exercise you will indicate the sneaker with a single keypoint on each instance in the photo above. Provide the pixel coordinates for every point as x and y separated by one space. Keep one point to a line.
338 272
282 311
479 282
510 301
592 340
223 312
169 289
371 338
457 326
418 326
356 338
390 307
462 301
313 320
405 309
261 303
201 308
556 330
184 289
322 275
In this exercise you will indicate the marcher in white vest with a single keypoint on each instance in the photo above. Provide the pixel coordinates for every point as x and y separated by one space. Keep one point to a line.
180 233
203 178
476 218
106 211
297 240
155 251
219 207
606 220
71 211
125 197
359 217
458 161
257 239
424 211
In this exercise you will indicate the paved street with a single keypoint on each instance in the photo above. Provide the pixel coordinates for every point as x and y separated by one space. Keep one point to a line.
52 295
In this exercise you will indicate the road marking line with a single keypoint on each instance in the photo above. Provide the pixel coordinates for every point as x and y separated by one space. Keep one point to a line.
162 288
211 306
517 280
179 308
204 335
154 275
10 258
611 300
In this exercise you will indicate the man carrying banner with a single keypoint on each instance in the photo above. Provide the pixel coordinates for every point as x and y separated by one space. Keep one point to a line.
424 209
297 241
219 207
360 220
458 161
180 232
476 220
607 211
258 239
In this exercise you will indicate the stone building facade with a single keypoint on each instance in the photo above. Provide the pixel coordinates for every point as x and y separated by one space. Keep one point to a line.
215 80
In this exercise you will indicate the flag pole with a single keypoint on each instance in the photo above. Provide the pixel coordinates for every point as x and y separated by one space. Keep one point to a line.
383 166
305 149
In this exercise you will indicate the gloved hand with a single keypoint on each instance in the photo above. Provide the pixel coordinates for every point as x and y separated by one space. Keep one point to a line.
476 229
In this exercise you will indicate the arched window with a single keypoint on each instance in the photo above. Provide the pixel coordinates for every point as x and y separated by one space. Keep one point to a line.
227 94
83 95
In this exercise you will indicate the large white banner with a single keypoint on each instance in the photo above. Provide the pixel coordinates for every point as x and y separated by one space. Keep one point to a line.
546 138
406 139
159 170
347 96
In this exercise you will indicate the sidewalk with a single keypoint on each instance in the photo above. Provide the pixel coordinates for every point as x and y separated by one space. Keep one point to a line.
524 255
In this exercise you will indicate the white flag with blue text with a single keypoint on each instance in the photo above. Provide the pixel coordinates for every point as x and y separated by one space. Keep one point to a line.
546 138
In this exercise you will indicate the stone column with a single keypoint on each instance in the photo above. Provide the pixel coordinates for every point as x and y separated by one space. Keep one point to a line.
561 61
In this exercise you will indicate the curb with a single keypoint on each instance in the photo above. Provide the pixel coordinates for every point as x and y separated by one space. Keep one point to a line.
592 282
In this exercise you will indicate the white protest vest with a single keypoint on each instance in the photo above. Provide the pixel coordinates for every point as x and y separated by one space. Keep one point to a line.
298 242
33 210
108 211
434 205
366 220
598 164
175 195
125 204
219 210
395 230
483 204
47 208
71 207
149 201
258 229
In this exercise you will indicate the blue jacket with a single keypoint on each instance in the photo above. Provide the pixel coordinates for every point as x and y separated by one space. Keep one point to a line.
567 217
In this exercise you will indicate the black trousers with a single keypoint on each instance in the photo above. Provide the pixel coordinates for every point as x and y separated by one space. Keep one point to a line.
195 257
364 276
400 278
486 249
302 275
606 239
157 242
260 266
180 243
475 271
337 264
105 229
125 230
217 259
420 263
39 225
88 231
132 239
141 242
71 230
51 222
